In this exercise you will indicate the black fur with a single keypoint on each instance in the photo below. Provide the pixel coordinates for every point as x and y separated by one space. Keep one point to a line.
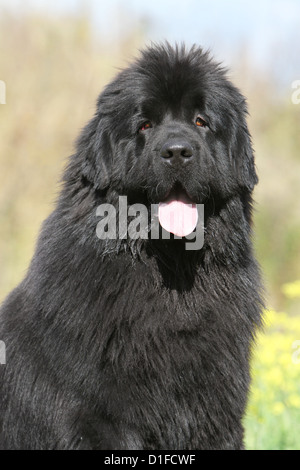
140 344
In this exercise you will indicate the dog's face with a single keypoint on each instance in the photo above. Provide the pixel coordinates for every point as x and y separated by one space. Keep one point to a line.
172 124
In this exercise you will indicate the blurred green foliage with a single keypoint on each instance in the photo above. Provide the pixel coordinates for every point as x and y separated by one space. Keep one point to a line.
54 69
273 416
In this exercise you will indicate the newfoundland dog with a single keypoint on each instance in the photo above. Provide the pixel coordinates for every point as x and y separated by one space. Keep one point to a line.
120 337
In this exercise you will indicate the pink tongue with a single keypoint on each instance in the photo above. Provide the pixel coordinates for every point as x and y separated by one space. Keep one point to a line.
178 215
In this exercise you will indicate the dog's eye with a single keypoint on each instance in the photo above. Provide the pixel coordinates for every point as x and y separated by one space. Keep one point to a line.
146 125
200 122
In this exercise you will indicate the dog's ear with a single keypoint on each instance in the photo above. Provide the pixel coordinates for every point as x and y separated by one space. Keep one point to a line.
243 157
95 153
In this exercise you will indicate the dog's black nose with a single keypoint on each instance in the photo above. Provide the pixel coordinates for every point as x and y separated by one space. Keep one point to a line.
174 151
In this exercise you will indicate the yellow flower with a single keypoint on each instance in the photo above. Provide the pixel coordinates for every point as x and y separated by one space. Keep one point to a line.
291 289
278 408
274 376
294 401
284 359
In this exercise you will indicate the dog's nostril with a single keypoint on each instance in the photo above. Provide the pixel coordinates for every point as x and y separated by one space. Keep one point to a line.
172 151
187 152
166 153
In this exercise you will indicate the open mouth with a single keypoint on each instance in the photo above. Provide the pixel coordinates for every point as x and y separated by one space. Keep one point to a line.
177 213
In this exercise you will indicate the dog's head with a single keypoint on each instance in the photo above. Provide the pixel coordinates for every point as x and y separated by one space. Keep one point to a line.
170 126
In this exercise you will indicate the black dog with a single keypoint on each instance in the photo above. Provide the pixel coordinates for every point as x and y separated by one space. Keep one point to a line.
135 343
